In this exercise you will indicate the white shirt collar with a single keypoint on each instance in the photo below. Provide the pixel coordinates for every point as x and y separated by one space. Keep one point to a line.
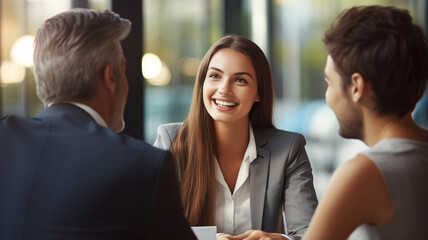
251 151
249 156
97 117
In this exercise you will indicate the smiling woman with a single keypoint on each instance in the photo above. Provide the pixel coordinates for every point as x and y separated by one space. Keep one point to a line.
229 89
237 171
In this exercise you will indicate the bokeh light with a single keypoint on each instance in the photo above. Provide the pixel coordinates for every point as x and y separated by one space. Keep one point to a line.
154 70
11 72
151 65
163 78
22 51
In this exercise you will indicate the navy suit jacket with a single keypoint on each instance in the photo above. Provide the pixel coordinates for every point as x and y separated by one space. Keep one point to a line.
63 176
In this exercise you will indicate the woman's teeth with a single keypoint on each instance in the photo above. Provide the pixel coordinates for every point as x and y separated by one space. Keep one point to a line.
225 104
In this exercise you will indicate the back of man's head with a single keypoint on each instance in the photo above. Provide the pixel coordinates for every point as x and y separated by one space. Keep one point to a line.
387 49
71 50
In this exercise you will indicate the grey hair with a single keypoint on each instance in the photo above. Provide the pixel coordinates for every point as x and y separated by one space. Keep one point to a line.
72 49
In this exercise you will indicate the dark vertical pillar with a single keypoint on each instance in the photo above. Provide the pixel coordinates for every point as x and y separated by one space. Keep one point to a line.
425 27
426 17
1 88
79 4
133 50
235 19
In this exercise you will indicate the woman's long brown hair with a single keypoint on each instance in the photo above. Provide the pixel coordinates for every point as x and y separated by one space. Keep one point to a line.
195 144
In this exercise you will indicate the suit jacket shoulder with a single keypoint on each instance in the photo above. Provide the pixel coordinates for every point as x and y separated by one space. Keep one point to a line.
166 135
274 137
280 142
63 174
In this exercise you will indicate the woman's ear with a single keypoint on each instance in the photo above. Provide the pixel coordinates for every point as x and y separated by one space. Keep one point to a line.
257 99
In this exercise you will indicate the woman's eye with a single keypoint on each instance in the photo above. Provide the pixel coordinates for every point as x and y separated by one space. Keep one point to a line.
214 75
241 80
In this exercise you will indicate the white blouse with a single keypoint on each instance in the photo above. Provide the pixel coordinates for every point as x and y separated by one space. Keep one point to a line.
233 211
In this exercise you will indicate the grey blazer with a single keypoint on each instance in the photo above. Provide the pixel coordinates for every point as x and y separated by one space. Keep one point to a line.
280 180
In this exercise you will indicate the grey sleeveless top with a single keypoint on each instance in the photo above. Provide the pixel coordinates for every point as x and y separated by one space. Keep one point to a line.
403 164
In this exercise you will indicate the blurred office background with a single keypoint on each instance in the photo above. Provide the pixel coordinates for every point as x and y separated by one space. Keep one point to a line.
169 39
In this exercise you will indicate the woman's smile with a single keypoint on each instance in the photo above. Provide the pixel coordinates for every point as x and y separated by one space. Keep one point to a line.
224 105
230 86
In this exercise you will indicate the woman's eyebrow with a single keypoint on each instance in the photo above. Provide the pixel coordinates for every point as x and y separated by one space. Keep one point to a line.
217 69
244 73
238 73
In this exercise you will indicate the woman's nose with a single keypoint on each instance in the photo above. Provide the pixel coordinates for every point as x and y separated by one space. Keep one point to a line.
224 88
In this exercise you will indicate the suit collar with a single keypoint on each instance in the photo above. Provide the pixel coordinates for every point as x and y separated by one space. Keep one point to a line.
65 110
259 172
94 114
69 116
251 151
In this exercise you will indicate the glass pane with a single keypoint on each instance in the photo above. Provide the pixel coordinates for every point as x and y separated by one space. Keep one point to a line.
176 36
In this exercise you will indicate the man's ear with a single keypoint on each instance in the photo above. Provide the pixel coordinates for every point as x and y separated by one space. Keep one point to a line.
357 87
108 79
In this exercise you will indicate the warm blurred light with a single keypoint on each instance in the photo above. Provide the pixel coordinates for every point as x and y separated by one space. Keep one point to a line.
163 78
11 72
151 65
190 66
279 2
259 24
22 51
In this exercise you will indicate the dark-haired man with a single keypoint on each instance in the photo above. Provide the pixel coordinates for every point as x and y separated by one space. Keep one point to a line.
376 72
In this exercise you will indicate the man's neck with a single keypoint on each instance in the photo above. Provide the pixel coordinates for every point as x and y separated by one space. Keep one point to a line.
377 128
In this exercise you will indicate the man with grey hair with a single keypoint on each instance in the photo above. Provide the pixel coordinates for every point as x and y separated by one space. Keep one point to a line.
66 174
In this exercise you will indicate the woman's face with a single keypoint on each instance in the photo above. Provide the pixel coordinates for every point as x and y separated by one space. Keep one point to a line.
230 86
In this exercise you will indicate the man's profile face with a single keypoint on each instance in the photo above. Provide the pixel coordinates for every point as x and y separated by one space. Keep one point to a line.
347 114
118 124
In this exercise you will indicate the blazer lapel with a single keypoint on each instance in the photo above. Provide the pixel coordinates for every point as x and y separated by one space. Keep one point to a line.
259 172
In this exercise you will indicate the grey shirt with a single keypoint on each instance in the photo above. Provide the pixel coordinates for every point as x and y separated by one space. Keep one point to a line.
403 164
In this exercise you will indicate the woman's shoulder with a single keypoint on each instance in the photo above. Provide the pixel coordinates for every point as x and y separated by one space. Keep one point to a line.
166 134
274 135
170 127
284 133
